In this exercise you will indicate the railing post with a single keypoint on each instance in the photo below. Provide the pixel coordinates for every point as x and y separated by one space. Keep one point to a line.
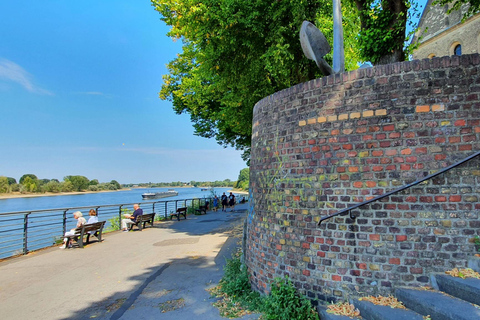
166 209
120 217
25 233
96 210
64 222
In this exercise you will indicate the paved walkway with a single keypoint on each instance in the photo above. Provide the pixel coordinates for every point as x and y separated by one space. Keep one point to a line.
134 275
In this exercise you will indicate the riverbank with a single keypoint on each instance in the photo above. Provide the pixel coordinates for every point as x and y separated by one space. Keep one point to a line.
14 195
238 191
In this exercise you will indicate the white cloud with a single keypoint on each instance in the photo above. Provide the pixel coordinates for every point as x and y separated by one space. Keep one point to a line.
11 71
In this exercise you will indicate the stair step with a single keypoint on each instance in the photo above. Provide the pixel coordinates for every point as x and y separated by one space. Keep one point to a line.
474 263
372 311
466 289
324 315
438 305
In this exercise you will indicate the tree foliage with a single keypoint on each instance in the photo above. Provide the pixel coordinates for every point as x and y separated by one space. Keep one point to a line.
28 175
474 6
236 52
4 185
80 183
243 179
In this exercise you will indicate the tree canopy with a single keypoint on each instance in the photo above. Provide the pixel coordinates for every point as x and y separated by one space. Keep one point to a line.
236 52
474 6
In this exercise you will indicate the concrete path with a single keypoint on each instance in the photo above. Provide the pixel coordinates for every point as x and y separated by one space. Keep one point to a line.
130 275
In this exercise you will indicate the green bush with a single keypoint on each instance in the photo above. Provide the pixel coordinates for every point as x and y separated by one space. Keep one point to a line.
285 303
235 284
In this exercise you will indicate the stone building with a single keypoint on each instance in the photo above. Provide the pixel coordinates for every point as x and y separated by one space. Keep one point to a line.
441 34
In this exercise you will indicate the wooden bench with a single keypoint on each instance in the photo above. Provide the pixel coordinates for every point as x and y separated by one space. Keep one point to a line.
180 211
87 230
202 209
142 220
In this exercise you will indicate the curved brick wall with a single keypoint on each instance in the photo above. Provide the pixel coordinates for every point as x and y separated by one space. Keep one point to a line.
329 143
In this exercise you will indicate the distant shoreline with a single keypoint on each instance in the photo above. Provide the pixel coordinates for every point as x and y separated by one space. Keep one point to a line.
15 195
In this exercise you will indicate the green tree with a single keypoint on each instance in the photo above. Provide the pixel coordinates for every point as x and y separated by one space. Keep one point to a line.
236 52
80 183
52 186
474 6
66 186
4 185
11 180
116 184
29 184
30 175
93 182
243 179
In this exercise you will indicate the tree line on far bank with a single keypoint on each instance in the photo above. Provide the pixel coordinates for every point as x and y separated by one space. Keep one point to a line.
241 183
29 183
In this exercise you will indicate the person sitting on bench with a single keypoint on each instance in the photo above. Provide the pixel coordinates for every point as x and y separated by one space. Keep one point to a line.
131 218
80 222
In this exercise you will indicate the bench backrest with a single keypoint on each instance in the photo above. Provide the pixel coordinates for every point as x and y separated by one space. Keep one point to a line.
145 217
181 210
90 227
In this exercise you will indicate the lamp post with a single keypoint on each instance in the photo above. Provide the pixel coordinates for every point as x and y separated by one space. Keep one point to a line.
338 51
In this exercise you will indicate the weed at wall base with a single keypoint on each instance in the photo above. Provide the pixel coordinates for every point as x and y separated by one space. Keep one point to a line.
238 299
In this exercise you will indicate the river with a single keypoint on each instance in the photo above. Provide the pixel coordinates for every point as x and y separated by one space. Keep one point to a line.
101 198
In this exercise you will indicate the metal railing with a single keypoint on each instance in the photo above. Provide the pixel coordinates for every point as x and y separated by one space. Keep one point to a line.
25 231
349 209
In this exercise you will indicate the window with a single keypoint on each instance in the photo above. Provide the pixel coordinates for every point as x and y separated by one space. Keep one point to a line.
458 50
455 49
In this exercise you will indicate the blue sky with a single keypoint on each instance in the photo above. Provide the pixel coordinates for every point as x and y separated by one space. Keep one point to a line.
79 83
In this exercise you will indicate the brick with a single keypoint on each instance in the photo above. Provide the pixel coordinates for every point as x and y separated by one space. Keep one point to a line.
400 238
332 118
460 123
321 119
367 113
374 237
381 112
422 109
455 198
343 116
336 278
355 115
438 107
389 127
311 121
302 123
394 261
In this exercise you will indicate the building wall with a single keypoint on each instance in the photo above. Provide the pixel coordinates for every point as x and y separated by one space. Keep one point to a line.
439 32
323 145
466 34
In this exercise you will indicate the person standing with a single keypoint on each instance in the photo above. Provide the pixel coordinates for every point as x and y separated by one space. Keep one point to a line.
231 201
224 202
131 218
215 203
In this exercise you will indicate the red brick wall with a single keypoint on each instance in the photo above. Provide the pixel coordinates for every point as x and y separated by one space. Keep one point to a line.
324 145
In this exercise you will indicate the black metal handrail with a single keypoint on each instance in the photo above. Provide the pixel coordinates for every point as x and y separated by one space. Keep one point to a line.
349 210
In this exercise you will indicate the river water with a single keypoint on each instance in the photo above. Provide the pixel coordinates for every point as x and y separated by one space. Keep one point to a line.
101 198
